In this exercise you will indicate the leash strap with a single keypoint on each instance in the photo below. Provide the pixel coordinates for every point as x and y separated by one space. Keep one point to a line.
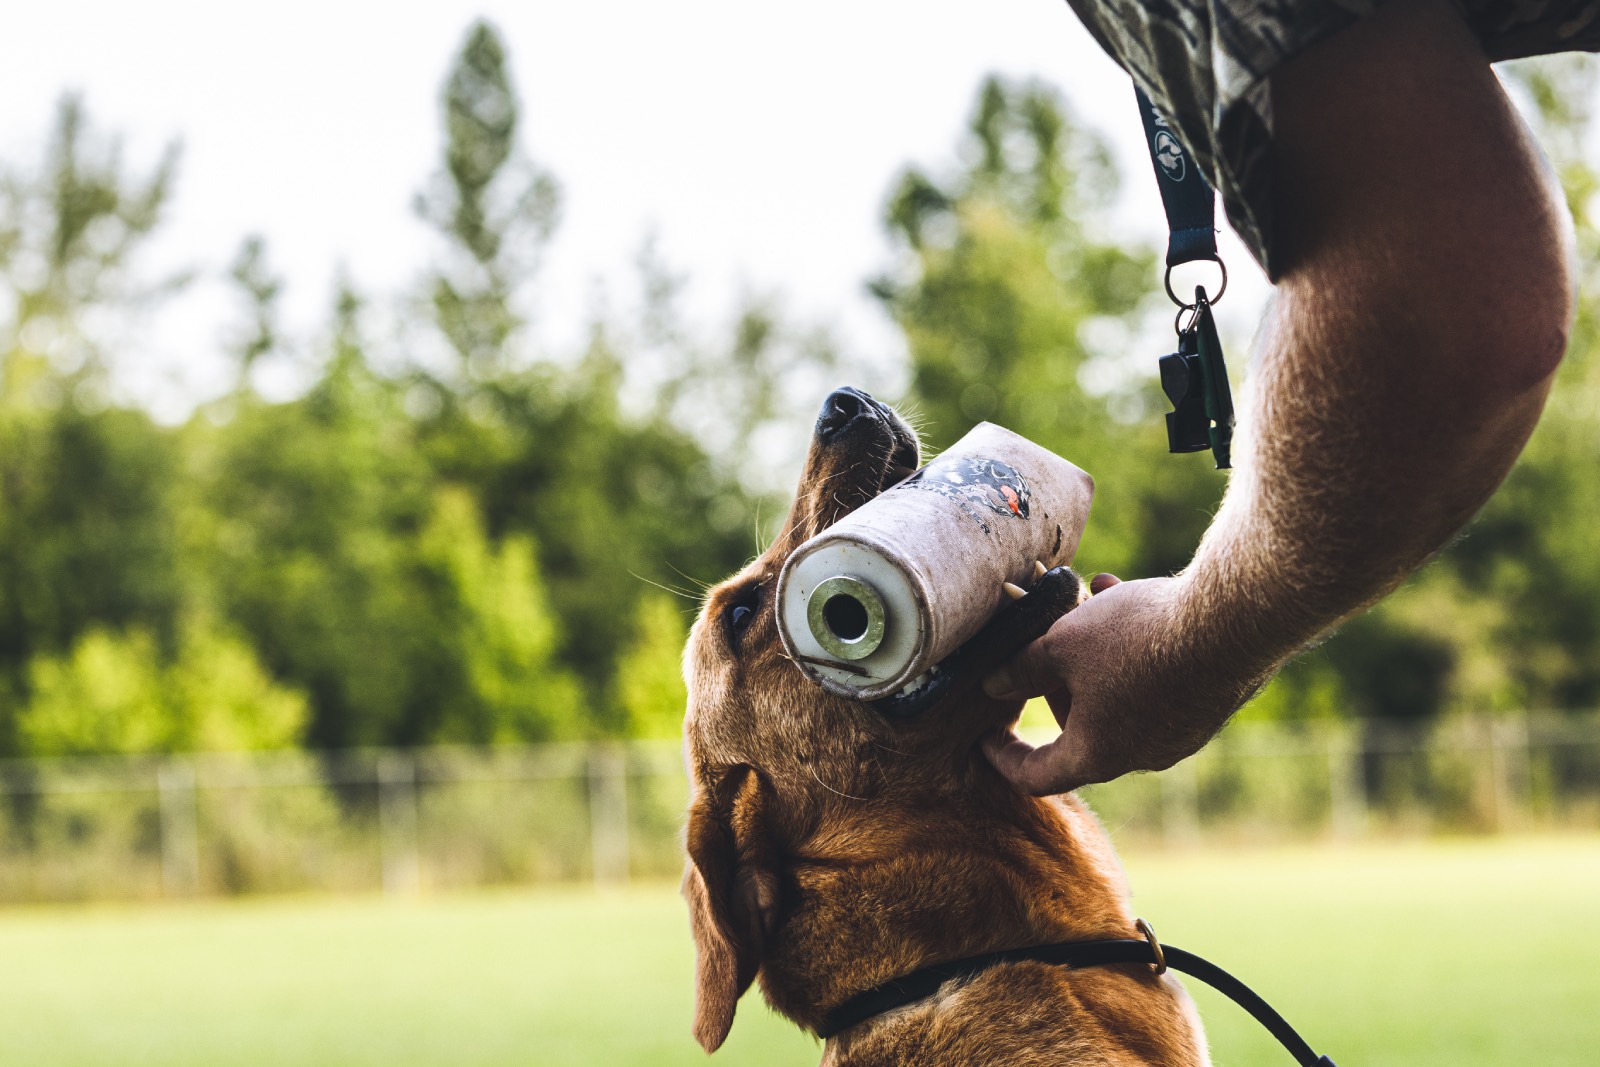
924 983
1191 207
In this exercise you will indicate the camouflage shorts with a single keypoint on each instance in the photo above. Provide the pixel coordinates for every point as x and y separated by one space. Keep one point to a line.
1205 63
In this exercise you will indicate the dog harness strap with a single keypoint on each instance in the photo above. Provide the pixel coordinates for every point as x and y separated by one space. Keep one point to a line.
924 983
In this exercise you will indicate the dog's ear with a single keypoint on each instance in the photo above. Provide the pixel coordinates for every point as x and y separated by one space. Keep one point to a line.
732 889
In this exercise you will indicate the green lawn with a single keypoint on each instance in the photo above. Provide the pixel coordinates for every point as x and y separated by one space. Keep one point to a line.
1437 954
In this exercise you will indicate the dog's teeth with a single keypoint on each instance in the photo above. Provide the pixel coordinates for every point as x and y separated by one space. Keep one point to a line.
917 683
1015 592
1038 570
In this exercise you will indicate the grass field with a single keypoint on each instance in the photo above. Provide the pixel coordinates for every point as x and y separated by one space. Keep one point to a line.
1435 954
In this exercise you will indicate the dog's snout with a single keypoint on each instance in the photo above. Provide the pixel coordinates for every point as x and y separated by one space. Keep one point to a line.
842 408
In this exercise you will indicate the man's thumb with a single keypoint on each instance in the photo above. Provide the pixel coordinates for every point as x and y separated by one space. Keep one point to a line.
1030 769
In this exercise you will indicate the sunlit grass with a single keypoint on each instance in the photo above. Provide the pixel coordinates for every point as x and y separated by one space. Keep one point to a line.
1436 954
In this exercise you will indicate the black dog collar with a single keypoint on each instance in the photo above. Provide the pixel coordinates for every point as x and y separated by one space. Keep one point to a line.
924 983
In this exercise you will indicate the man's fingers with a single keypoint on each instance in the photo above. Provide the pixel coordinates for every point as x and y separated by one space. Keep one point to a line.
1101 582
1040 771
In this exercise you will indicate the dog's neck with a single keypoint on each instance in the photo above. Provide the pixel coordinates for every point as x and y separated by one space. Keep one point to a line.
877 896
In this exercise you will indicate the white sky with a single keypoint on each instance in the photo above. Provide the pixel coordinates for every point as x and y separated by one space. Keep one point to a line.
758 142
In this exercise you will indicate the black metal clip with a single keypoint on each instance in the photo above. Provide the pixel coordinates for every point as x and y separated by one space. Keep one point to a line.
1195 379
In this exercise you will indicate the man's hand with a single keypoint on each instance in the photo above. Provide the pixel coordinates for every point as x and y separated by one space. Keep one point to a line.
1106 669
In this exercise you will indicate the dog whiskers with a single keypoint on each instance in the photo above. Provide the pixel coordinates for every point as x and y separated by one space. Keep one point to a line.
667 588
701 585
830 788
882 774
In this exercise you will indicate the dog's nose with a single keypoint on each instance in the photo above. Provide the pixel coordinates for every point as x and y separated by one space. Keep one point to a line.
841 408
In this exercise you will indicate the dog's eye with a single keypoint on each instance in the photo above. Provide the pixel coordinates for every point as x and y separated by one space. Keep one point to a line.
740 613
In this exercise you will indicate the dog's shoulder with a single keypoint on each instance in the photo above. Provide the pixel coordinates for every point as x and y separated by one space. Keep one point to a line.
1029 1014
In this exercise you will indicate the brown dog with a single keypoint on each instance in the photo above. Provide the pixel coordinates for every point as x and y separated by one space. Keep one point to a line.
832 849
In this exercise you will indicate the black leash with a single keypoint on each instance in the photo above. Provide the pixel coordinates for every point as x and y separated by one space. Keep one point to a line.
924 983
1194 377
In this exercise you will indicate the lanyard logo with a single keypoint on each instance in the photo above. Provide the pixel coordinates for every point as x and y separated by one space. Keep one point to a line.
1169 155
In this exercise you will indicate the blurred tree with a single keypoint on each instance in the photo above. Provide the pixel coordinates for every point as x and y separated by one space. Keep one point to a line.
346 536
224 700
88 534
307 514
104 696
651 684
493 614
613 503
608 497
1017 310
494 207
116 692
261 288
70 235
742 392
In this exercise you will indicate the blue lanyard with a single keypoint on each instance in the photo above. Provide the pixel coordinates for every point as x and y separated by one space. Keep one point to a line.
1190 203
1194 377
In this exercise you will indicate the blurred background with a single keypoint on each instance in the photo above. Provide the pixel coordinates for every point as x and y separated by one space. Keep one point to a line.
378 392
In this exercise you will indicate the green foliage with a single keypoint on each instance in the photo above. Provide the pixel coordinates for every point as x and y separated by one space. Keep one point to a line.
225 701
87 531
103 697
495 610
112 692
70 236
261 290
651 685
304 519
494 208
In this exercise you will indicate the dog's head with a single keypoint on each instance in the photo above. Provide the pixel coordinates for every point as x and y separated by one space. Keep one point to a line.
772 756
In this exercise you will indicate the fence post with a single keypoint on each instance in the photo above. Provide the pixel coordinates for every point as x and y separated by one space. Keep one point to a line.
1180 804
397 823
1347 793
608 814
1508 769
180 834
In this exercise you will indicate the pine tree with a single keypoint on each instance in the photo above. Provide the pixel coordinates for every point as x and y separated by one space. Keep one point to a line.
493 206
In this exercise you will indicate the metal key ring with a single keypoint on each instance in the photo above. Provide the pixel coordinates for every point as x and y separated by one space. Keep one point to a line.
1166 280
1192 310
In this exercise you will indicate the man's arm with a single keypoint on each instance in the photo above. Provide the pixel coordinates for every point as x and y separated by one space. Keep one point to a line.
1403 365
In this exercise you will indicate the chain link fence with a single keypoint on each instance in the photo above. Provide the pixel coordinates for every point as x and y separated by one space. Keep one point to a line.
427 820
